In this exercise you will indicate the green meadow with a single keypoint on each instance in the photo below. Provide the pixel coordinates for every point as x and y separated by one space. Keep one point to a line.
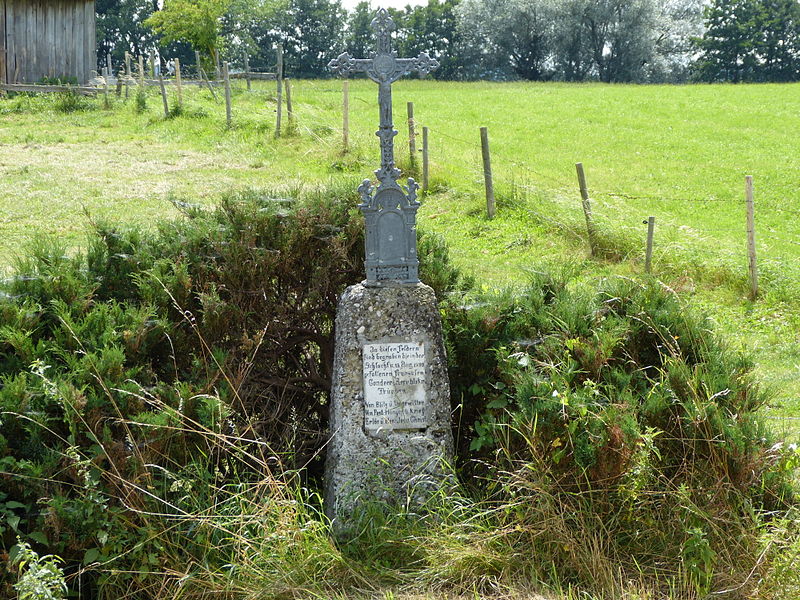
678 153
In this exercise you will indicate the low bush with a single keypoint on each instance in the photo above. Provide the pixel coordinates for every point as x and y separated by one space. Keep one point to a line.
141 100
70 102
622 431
120 367
163 418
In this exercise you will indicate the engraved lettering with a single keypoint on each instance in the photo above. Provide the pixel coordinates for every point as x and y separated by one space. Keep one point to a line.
394 386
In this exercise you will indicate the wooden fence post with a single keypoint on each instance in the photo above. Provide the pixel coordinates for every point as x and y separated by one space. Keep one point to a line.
247 69
120 76
202 76
179 81
345 115
648 258
279 78
412 135
152 64
425 166
127 73
226 76
751 237
487 173
108 64
163 95
141 72
587 208
289 110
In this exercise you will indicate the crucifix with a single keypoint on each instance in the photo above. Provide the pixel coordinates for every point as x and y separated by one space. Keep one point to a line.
390 211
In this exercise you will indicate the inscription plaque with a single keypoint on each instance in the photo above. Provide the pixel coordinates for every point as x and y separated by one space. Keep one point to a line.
394 386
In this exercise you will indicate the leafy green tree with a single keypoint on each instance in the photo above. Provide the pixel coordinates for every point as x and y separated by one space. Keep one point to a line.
245 24
312 32
198 22
121 28
729 43
750 40
778 46
510 33
360 39
430 28
433 28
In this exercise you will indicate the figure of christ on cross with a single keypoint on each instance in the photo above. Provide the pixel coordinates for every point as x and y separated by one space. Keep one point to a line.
391 242
384 68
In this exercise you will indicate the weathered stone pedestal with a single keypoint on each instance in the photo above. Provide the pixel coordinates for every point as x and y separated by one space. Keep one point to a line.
390 404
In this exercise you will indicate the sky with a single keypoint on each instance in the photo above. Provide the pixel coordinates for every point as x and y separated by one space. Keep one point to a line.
376 4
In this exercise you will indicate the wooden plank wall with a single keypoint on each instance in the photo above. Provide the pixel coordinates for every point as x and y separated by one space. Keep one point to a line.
47 38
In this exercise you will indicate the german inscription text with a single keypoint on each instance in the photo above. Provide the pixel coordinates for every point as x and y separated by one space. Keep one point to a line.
394 386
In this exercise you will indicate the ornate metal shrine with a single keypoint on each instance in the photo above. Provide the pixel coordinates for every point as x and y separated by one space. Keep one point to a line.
391 209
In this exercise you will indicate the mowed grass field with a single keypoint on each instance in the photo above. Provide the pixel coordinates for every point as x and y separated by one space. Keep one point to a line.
679 153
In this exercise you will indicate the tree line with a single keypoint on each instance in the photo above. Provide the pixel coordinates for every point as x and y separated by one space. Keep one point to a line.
539 40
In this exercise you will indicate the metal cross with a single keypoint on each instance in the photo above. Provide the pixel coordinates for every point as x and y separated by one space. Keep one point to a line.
390 211
384 68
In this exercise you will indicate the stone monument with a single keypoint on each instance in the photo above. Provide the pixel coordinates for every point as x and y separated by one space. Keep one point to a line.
390 400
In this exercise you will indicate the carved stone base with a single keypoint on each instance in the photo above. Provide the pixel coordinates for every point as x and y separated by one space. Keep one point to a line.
391 438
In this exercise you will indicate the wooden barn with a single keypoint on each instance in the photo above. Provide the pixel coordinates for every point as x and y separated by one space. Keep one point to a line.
47 38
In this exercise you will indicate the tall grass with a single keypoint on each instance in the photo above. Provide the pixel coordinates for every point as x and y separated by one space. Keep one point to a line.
155 433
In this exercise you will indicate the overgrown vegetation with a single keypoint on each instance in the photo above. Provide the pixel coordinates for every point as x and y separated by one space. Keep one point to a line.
630 420
70 102
41 577
163 419
145 457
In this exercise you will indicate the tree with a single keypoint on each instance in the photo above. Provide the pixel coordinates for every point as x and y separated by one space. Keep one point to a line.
197 22
248 23
572 57
750 40
619 36
510 33
609 40
433 28
360 38
430 28
678 23
313 33
121 28
778 47
728 45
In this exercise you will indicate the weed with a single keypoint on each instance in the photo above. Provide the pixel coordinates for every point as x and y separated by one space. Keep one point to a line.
176 110
40 576
604 415
322 130
699 559
60 80
70 102
141 101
